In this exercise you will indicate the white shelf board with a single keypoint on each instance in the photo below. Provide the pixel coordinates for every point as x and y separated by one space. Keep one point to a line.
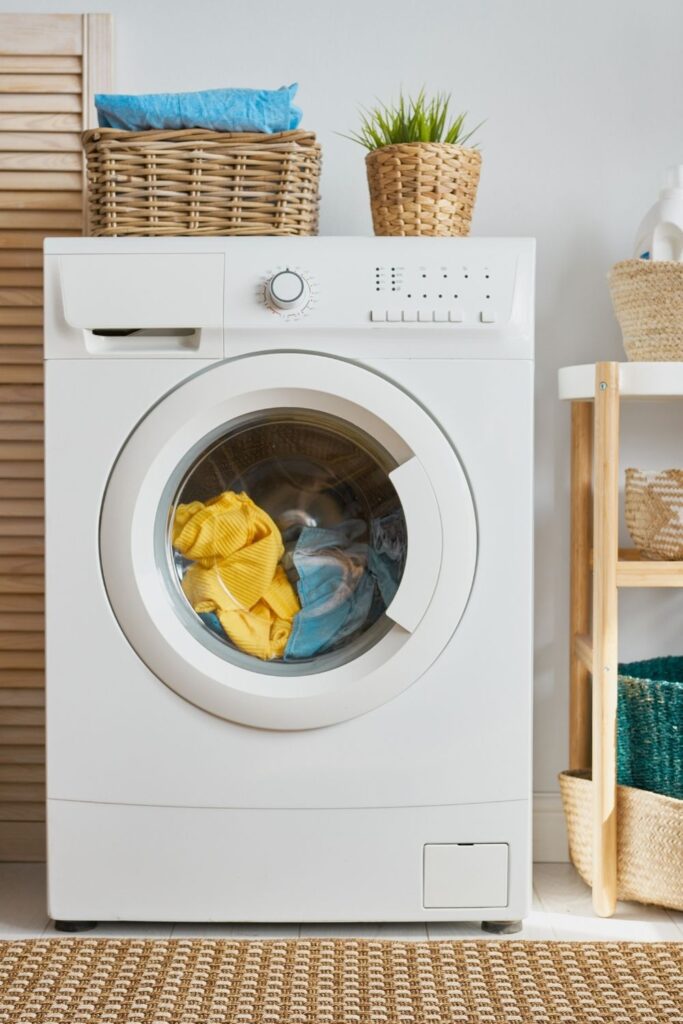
636 380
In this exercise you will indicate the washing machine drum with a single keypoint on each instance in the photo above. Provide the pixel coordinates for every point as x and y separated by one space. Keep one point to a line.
288 540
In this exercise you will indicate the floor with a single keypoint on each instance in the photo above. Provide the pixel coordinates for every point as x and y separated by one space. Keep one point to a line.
562 910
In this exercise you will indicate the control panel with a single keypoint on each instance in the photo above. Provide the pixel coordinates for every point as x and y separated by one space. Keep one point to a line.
358 296
475 291
472 291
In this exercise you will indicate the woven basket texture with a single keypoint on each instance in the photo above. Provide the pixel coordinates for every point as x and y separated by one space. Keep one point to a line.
649 840
650 726
653 506
333 981
197 182
423 188
648 301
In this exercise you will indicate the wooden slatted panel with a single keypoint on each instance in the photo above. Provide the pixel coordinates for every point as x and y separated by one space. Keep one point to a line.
50 66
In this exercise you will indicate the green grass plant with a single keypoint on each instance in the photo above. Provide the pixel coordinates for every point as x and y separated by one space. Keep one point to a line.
412 119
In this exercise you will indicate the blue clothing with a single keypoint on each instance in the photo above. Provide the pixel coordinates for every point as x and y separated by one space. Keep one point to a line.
335 589
386 558
220 110
344 584
211 620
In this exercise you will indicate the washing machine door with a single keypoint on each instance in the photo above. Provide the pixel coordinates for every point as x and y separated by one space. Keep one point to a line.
288 540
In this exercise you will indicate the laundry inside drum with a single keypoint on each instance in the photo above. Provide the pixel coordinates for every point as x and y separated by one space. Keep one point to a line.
288 540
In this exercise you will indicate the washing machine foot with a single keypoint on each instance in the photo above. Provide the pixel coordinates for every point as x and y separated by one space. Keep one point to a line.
502 927
75 926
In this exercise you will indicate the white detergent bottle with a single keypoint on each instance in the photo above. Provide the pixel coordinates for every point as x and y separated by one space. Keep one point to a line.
660 236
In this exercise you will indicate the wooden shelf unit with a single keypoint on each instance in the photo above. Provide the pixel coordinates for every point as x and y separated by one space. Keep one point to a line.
598 570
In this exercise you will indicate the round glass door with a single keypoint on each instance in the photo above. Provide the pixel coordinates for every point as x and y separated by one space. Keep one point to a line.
273 540
286 541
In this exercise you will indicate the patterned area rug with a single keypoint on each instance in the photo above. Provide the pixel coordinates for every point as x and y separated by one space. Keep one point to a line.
203 981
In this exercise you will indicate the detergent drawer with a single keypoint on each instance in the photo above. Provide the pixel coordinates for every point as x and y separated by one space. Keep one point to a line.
135 304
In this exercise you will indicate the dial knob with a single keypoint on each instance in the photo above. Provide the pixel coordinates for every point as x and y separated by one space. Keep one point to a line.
288 291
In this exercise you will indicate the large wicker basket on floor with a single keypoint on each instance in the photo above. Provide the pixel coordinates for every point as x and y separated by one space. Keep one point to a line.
423 188
197 182
649 843
647 296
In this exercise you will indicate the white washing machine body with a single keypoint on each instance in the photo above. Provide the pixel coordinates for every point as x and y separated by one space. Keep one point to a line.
389 780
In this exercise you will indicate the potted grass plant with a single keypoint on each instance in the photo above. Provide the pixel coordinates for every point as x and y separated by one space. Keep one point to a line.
422 176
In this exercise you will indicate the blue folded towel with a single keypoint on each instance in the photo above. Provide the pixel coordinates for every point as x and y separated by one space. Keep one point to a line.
220 110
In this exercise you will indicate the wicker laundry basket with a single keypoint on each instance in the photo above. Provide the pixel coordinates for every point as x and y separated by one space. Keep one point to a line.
649 843
197 182
653 506
650 726
423 188
648 301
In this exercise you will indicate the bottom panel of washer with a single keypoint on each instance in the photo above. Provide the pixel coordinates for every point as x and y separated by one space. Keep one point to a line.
142 863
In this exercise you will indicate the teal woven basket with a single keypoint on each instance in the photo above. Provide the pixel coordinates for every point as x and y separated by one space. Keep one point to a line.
650 726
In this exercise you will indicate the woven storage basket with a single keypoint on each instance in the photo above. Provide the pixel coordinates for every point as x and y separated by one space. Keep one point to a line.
423 188
649 840
197 182
653 506
650 726
648 300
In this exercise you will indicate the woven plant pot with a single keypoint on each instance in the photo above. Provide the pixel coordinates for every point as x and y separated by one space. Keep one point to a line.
650 726
422 188
647 296
653 506
649 840
197 182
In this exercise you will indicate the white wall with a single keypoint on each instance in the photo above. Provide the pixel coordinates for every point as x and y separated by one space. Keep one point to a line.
584 104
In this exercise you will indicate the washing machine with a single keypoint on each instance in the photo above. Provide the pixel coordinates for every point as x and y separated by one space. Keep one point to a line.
289 578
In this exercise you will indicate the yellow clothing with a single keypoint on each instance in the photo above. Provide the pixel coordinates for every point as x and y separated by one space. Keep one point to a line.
236 549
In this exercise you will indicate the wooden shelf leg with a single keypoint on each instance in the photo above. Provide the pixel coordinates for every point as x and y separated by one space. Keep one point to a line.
581 582
605 626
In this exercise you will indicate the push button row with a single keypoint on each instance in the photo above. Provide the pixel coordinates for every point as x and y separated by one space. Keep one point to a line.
423 316
428 316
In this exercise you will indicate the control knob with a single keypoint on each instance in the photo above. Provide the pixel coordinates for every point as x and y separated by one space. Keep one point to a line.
288 291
